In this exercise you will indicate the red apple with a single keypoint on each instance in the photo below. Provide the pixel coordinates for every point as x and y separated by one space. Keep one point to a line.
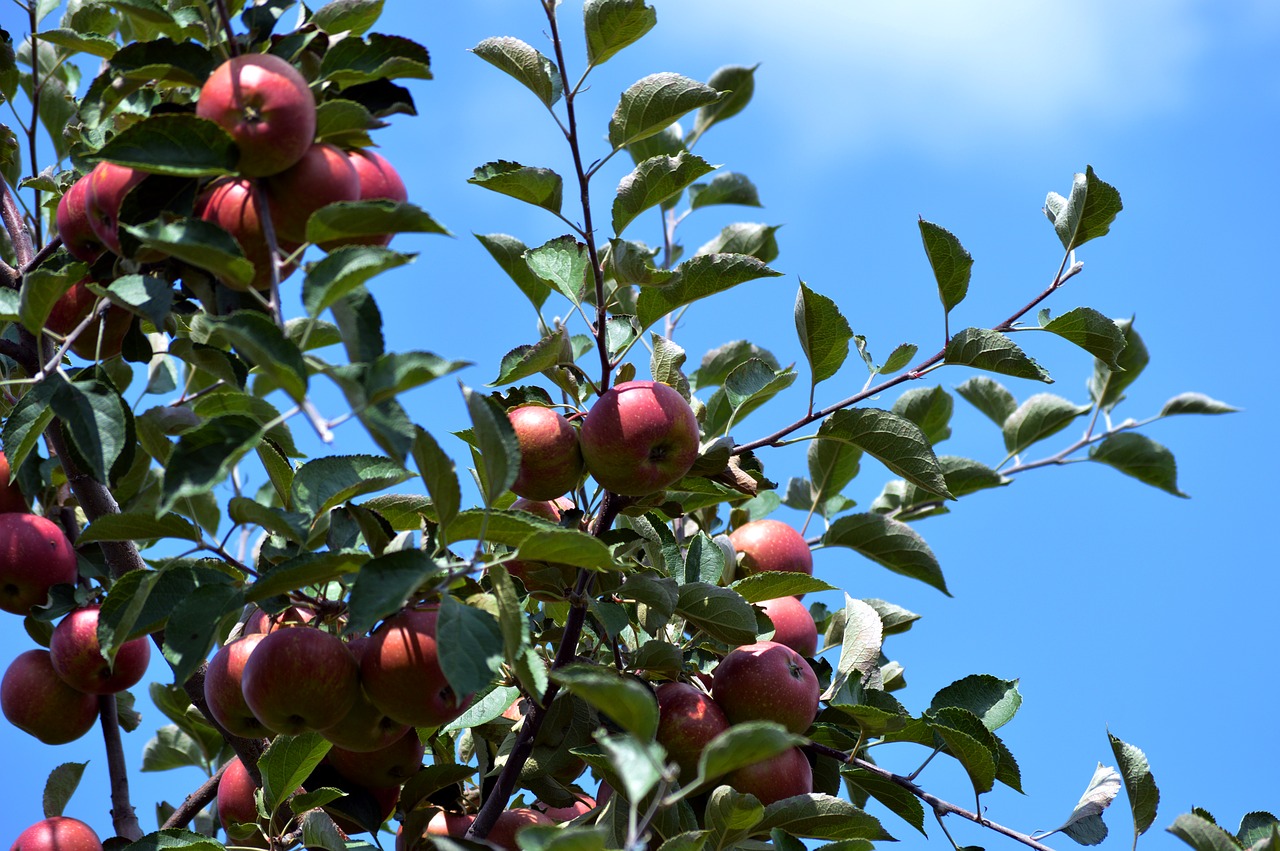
266 106
547 509
784 776
687 720
582 806
72 308
639 437
324 175
236 803
74 226
229 204
34 557
543 581
389 766
108 183
300 679
379 181
364 808
550 458
77 656
365 727
11 499
504 831
57 834
401 671
261 623
792 624
442 823
766 681
223 691
36 700
771 545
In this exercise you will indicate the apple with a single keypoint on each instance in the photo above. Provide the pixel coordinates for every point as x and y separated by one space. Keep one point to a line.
11 499
300 679
107 186
580 807
792 624
266 106
766 681
34 557
365 727
229 204
547 509
261 623
771 545
550 458
236 803
72 308
639 437
543 581
503 833
324 175
379 181
400 670
389 766
363 809
687 720
223 691
784 776
59 833
74 226
77 656
36 700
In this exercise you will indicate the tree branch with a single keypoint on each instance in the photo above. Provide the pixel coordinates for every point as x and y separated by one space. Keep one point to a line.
16 227
123 816
196 801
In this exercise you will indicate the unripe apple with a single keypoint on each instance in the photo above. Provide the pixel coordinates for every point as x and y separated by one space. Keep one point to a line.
224 693
550 458
325 175
771 545
784 776
74 226
266 106
229 203
59 833
389 766
639 437
11 499
72 308
236 803
108 183
77 656
687 720
401 671
365 727
300 679
34 557
792 624
36 700
766 681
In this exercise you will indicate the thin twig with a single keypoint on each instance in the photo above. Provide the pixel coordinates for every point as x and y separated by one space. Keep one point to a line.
196 801
43 254
16 227
123 816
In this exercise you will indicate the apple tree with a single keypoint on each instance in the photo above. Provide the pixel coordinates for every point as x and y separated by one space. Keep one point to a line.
607 649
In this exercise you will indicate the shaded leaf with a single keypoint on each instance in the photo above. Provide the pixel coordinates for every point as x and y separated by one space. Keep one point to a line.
990 350
611 25
736 84
470 645
896 442
372 218
698 278
529 67
540 187
628 703
990 397
890 543
1139 785
1141 457
61 785
727 187
951 263
182 145
496 440
1041 416
509 252
824 333
344 270
321 484
1092 331
928 407
1195 403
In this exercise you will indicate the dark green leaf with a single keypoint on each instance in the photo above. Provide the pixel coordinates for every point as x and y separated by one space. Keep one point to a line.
27 422
989 397
347 16
288 761
144 295
171 748
824 333
1106 386
509 252
351 219
205 455
566 546
176 144
890 543
562 263
632 263
951 263
200 243
259 340
1091 331
1139 785
896 442
42 287
439 475
1195 403
1087 214
928 407
540 187
194 624
395 372
727 187
698 278
163 59
139 526
524 361
719 612
344 122
529 67
718 363
750 238
61 785
652 103
625 701
772 584
969 742
306 569
1259 831
1141 457
343 270
749 386
612 25
353 60
384 585
95 420
654 181
993 700
897 799
1202 834
822 817
990 350
741 745
736 84
321 484
470 645
1041 416
496 440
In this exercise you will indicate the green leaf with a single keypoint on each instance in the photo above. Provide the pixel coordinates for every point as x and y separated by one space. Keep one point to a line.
509 252
819 816
318 828
205 455
193 625
654 181
898 358
859 650
741 745
439 475
1091 331
951 263
144 295
91 43
524 361
287 524
963 477
749 386
162 59
562 263
719 612
306 569
1085 825
897 799
993 700
727 187
736 84
566 546
698 278
529 67
395 372
982 348
176 838
653 103
989 397
26 423
1106 386
637 763
628 703
896 442
540 187
1202 834
321 484
704 561
470 645
1087 214
971 743
181 145
833 464
731 816
260 341
140 526
61 785
344 270
344 122
288 761
1041 416
170 748
200 243
824 333
353 219
890 543
772 584
43 286
611 25
352 60
1195 403
750 238
384 585
347 16
95 419
496 440
719 362
928 407
1259 831
666 363
1141 457
631 262
1139 785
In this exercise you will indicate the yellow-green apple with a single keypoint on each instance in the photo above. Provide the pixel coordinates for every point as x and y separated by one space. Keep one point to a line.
324 175
77 656
229 203
72 308
792 624
223 691
34 557
401 674
550 458
58 833
74 226
687 720
266 106
11 499
365 727
639 437
389 766
784 776
36 700
771 545
300 679
379 181
236 804
766 681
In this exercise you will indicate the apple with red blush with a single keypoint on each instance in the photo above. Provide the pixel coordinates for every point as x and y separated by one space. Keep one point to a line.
639 437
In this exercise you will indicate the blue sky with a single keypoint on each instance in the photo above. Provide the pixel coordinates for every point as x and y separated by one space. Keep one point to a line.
1115 604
